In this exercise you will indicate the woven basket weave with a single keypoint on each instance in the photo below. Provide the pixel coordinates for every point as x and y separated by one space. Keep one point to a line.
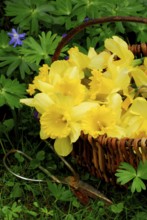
102 156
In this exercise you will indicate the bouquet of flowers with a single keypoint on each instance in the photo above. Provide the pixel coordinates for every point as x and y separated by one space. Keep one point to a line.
94 93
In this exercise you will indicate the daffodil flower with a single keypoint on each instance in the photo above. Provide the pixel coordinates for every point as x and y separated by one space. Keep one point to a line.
119 48
101 120
42 76
100 86
98 61
76 58
135 119
95 94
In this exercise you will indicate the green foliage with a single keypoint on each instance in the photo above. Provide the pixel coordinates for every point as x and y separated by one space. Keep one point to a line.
35 52
117 208
13 59
10 92
40 156
4 40
6 126
126 173
140 216
12 212
59 192
29 13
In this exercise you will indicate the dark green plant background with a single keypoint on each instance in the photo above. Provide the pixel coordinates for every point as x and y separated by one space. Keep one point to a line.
44 23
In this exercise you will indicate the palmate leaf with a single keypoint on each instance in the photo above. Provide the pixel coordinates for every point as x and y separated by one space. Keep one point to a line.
4 41
64 7
59 191
125 173
16 62
142 170
11 91
30 13
137 185
35 52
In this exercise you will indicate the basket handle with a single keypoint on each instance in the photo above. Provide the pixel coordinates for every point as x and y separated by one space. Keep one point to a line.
79 28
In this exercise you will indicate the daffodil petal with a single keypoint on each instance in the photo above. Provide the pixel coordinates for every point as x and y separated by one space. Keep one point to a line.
139 107
42 102
44 87
29 101
79 110
75 132
139 77
63 146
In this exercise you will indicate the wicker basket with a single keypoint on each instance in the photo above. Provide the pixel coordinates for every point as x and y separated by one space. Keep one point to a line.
102 156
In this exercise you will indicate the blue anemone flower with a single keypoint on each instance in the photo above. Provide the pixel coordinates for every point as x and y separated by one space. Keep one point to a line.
64 35
16 38
86 19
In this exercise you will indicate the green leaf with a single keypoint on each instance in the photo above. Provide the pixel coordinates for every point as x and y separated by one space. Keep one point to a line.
2 100
34 164
35 52
140 216
32 213
13 66
125 173
15 61
137 185
9 124
16 208
19 157
40 155
117 208
26 67
69 217
16 191
4 41
59 192
142 170
11 91
64 7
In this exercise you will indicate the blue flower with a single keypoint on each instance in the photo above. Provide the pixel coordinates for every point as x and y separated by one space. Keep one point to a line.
86 19
16 38
64 35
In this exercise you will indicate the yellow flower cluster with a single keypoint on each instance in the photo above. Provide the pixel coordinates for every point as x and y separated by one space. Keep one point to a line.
98 93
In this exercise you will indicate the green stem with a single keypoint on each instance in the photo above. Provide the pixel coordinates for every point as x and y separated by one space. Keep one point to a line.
15 123
54 178
2 146
64 161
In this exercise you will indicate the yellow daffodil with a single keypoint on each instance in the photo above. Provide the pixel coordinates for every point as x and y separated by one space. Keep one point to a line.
55 122
41 102
100 86
97 93
76 58
139 76
58 69
98 61
99 121
60 120
63 146
43 76
119 74
71 88
135 119
120 49
114 101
